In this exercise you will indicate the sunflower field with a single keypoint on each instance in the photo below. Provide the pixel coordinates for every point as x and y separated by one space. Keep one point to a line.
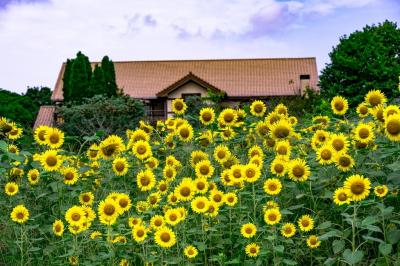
251 186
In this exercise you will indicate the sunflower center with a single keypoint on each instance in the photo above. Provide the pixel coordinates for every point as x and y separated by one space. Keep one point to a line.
119 166
282 150
185 191
145 180
178 106
379 115
204 169
206 116
393 127
278 168
69 176
173 217
250 173
342 196
75 217
344 161
263 130
237 173
153 200
11 189
313 241
140 233
258 108
357 188
272 187
326 154
339 106
217 198
200 185
321 138
200 204
93 153
51 160
228 117
123 202
57 228
211 209
20 215
363 110
141 149
158 222
109 149
298 171
305 223
282 132
190 251
380 190
363 133
272 217
248 230
109 209
41 135
288 230
253 250
221 154
165 237
54 138
338 144
375 100
86 198
163 187
184 132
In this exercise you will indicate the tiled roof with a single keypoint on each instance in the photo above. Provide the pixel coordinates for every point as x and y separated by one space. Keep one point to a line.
237 77
45 116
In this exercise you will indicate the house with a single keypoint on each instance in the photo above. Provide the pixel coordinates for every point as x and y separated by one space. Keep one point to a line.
157 83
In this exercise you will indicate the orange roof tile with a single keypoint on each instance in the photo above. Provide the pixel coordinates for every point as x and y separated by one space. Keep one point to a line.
236 77
45 116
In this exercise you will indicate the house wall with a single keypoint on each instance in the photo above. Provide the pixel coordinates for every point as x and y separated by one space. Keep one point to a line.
188 88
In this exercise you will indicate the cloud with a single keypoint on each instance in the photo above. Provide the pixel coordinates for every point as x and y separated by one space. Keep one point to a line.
5 3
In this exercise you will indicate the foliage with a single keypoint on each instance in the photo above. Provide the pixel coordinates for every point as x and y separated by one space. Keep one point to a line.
23 108
359 227
79 82
109 115
364 60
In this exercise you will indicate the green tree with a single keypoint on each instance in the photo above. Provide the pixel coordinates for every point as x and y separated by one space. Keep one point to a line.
67 80
110 115
98 83
79 80
364 60
39 95
109 74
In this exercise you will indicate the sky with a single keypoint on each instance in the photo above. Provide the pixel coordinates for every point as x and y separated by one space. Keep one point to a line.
37 36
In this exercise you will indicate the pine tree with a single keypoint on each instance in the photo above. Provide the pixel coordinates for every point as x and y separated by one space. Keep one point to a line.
80 78
98 83
67 80
109 74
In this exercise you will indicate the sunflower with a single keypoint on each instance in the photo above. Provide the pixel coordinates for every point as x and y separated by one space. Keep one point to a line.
139 233
172 217
344 162
70 175
339 105
319 138
201 185
40 133
108 211
50 160
133 221
152 163
153 199
227 117
299 170
216 196
313 242
54 138
375 97
339 142
281 109
278 167
95 234
221 153
306 223
392 127
325 155
378 113
251 173
11 188
273 117
190 251
364 133
15 133
13 149
281 130
257 160
213 209
272 216
362 110
124 202
58 227
111 146
89 213
185 190
185 132
142 149
258 108
162 187
381 191
75 215
207 116
165 237
197 156
169 173
262 129
172 198
20 214
391 110
230 199
120 166
179 106
157 221
93 152
288 230
145 180
227 133
341 196
272 186
138 134
358 187
255 150
33 176
248 230
236 173
283 148
204 169
252 250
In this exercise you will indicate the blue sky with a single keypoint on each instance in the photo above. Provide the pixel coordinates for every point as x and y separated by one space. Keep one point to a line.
36 36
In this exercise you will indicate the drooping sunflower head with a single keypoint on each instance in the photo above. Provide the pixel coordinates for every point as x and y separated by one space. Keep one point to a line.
339 105
392 127
262 129
258 108
179 106
375 97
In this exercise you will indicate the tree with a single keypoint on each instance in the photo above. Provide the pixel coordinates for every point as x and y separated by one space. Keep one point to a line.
364 60
79 80
67 80
109 74
39 96
98 83
110 115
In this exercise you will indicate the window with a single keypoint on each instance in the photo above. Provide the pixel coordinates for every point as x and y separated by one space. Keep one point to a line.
302 77
186 95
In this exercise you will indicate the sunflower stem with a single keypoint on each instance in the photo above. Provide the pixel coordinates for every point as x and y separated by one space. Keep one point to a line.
254 203
353 228
21 246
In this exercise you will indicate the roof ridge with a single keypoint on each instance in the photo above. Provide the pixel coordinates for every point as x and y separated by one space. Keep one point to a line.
215 59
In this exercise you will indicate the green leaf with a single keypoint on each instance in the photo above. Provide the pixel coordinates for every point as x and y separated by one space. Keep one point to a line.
373 239
394 166
393 236
369 220
329 234
385 248
324 225
373 228
279 249
353 257
338 246
3 146
289 262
